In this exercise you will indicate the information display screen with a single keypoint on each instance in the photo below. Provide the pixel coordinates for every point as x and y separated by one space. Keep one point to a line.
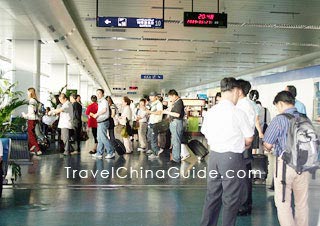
198 19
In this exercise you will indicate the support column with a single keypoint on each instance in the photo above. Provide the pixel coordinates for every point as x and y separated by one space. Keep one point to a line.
26 64
84 91
90 91
58 77
74 82
26 55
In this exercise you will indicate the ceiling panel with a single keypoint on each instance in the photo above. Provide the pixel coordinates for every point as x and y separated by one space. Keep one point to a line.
259 33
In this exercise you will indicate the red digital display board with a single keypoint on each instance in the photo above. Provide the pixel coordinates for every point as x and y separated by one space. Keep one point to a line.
199 19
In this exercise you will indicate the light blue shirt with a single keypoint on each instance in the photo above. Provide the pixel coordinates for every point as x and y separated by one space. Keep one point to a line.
300 107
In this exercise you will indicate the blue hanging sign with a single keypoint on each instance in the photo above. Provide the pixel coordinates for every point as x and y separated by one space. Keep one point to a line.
130 22
151 76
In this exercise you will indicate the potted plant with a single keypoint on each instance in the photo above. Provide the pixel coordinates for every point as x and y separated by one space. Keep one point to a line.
9 101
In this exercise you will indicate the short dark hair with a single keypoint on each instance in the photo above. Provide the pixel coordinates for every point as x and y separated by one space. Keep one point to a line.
218 94
78 96
284 96
173 92
94 98
254 95
245 86
143 100
292 90
101 90
63 96
73 95
228 84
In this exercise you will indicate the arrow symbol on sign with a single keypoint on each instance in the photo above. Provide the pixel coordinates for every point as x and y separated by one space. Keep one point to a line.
107 21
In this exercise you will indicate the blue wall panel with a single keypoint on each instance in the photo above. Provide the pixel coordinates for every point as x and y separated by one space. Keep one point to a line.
304 73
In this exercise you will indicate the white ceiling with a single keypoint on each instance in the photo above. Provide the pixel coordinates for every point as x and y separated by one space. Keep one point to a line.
261 35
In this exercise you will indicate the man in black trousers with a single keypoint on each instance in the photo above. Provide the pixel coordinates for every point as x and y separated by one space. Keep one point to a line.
228 133
77 123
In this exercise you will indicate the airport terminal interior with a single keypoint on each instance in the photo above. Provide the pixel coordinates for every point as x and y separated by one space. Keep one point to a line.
133 50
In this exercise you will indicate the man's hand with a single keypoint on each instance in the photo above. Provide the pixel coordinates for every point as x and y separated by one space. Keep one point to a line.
0 158
267 146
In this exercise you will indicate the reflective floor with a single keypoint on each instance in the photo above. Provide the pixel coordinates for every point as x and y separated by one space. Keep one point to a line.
48 193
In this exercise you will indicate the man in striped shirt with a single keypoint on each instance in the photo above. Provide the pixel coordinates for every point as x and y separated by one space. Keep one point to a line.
276 137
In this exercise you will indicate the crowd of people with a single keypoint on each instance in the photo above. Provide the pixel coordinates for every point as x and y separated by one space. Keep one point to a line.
141 121
236 127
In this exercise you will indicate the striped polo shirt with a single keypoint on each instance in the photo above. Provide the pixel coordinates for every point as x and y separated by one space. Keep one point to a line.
276 132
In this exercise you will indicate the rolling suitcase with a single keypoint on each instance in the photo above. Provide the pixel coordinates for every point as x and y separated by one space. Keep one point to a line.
198 149
260 166
119 147
185 152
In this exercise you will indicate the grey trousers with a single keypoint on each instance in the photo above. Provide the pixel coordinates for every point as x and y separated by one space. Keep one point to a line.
142 132
226 190
65 137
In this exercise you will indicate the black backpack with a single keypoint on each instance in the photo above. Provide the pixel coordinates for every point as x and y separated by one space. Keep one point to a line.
40 109
302 147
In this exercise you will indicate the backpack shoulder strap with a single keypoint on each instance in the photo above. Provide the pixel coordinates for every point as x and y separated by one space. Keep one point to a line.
287 115
283 181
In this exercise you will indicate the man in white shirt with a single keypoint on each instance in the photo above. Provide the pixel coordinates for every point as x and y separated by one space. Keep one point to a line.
103 119
228 133
65 121
247 107
155 116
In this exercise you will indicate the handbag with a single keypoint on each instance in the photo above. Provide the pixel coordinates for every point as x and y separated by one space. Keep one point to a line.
84 136
124 132
161 127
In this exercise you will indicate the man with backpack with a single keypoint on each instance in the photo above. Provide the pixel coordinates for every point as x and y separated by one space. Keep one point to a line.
294 140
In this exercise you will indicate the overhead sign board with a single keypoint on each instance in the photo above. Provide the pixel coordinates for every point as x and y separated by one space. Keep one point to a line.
199 19
151 76
118 88
130 22
133 87
131 93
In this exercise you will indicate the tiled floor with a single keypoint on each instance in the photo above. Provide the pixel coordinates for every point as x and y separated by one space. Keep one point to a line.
45 196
